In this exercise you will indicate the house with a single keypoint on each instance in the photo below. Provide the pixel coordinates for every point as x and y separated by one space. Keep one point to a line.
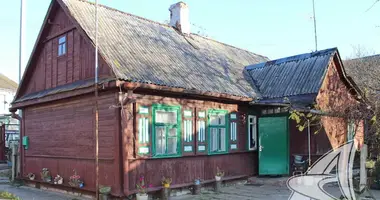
10 126
365 71
171 103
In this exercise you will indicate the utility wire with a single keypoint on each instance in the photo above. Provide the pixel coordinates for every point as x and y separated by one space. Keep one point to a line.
377 1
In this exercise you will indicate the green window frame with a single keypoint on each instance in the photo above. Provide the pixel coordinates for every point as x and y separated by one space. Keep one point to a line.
218 132
164 132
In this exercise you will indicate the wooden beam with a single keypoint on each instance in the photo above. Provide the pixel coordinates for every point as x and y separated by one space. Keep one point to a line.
61 32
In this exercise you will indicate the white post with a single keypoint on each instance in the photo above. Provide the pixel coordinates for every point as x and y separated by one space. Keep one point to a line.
96 102
308 141
363 170
22 38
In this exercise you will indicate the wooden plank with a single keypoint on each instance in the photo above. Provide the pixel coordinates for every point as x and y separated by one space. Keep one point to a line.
59 33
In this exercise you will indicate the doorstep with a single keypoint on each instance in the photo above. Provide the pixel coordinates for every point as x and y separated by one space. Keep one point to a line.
268 180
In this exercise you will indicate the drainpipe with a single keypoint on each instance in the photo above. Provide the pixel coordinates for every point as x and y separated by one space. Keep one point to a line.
19 160
308 142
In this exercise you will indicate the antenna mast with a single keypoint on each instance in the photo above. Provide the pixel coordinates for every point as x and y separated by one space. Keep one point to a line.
315 28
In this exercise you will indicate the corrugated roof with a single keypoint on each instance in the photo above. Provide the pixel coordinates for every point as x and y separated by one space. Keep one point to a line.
6 83
291 76
140 50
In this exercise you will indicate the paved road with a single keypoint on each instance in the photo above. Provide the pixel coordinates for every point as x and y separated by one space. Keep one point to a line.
248 192
28 193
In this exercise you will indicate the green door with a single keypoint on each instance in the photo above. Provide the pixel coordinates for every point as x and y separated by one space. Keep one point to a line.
273 146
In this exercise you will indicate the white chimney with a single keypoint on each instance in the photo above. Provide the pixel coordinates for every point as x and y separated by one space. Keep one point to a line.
179 17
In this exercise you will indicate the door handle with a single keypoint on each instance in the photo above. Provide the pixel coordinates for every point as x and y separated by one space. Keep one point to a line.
261 148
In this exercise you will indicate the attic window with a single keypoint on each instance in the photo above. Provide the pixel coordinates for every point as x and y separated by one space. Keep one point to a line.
62 46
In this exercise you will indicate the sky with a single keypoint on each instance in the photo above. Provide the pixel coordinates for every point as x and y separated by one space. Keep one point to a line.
273 28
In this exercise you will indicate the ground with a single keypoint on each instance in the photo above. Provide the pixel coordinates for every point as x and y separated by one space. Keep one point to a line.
254 192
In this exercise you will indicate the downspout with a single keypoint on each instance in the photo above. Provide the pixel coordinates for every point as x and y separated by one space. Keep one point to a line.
121 143
308 140
19 118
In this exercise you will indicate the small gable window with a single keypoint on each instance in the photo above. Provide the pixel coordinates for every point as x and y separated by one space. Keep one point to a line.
62 46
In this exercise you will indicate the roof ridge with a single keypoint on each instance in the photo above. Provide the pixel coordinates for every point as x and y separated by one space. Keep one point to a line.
123 12
168 26
239 48
298 57
364 57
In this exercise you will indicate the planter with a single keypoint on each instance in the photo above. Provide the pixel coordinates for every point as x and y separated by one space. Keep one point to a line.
218 178
166 185
375 186
142 197
197 189
103 196
218 185
165 193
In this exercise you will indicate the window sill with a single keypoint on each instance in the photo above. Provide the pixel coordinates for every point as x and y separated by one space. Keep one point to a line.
147 157
62 56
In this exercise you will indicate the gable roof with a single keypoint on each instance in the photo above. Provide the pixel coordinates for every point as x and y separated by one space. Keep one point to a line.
365 72
140 50
7 84
298 77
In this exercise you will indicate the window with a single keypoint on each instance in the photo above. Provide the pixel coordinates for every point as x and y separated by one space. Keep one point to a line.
143 130
62 46
233 127
187 126
201 132
351 130
166 128
252 134
217 131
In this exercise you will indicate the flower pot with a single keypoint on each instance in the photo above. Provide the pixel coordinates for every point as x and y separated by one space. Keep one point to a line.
218 185
165 193
166 185
32 178
197 189
218 178
103 196
142 197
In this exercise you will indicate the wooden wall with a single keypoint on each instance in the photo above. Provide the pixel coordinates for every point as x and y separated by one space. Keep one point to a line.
61 138
48 70
191 165
334 96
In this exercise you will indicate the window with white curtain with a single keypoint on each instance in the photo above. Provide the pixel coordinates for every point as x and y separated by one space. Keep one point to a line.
217 127
166 123
252 132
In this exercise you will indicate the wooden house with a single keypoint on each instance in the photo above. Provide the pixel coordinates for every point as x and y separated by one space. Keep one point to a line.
171 103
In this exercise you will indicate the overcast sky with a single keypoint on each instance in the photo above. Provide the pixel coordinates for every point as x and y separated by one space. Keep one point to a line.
274 28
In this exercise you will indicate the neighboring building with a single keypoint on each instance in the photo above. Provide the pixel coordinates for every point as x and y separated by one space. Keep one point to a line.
365 72
7 92
171 103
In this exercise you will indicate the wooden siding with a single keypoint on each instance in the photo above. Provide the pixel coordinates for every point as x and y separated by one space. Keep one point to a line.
190 165
48 70
334 95
61 138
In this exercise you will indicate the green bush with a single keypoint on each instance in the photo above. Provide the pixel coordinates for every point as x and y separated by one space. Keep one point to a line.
7 195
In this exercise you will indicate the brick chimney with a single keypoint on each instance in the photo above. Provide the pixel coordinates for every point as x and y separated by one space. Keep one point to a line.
179 17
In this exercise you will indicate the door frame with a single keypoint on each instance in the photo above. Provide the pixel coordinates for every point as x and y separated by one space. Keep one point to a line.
286 115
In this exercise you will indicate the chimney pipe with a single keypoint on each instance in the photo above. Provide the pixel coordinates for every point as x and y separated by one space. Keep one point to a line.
179 17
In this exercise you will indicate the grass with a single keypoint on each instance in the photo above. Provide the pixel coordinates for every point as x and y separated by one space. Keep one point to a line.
7 195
